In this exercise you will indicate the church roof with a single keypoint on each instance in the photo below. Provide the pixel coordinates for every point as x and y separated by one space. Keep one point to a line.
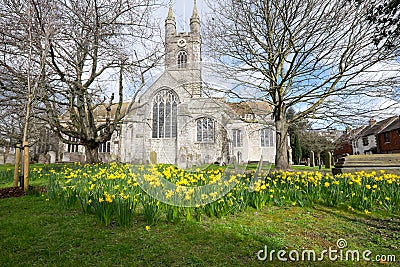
101 111
257 108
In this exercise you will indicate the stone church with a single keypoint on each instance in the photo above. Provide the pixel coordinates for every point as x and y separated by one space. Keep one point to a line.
173 122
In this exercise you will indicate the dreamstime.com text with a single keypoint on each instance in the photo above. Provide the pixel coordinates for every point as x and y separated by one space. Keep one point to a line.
338 253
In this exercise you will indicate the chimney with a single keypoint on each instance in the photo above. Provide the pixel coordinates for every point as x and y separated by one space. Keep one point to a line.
372 121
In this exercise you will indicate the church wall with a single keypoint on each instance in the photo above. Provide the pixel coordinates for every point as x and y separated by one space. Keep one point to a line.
251 150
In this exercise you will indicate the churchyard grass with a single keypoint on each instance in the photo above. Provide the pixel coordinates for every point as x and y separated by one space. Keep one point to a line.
38 174
36 232
99 215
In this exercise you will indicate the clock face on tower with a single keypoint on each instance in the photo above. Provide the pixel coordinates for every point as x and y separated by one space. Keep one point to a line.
181 42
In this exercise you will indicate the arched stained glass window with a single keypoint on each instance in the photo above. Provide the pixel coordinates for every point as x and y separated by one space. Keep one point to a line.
182 59
205 130
165 115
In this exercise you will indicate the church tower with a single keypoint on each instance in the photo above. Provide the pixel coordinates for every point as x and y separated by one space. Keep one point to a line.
183 52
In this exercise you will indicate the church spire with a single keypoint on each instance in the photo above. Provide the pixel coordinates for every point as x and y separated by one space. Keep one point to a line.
170 22
195 12
195 20
170 12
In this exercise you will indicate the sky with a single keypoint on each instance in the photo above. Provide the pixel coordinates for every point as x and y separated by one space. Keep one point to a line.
183 10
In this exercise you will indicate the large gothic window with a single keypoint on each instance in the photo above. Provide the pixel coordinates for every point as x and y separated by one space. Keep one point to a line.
205 130
267 137
165 115
182 59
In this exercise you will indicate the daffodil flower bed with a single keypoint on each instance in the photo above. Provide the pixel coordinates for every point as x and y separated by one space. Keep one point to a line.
116 192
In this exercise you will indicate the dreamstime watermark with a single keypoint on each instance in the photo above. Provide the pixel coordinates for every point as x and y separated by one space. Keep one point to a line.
338 253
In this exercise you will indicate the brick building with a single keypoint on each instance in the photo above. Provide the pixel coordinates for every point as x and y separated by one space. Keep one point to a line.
388 139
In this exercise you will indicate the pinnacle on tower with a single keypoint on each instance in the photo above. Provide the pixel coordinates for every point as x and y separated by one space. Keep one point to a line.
195 12
195 20
170 22
170 12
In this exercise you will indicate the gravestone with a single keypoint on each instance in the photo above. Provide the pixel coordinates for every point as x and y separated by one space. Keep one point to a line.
65 157
290 156
328 160
312 159
53 156
44 159
2 159
153 157
375 162
9 159
234 162
76 157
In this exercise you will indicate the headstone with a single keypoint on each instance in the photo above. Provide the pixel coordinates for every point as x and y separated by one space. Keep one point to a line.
53 156
328 160
2 159
234 162
312 159
9 159
76 157
44 159
308 162
239 158
290 156
375 162
65 157
153 157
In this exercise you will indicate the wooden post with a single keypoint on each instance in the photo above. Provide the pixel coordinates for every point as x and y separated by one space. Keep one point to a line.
26 165
16 168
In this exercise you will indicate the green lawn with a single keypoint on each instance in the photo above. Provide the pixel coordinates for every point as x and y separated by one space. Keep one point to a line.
7 174
36 232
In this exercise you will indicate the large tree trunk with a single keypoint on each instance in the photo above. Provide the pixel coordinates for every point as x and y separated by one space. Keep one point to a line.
281 158
92 154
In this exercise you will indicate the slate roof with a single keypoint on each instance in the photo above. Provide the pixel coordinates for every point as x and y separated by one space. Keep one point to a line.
377 127
350 135
395 125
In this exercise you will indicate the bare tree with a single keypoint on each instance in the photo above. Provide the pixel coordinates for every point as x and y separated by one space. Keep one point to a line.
21 68
316 56
92 46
